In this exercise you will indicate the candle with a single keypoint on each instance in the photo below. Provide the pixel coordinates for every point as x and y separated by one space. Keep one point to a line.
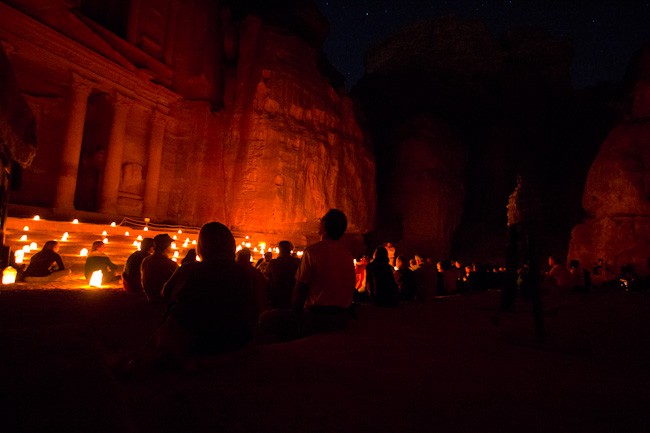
83 252
23 238
113 224
37 218
75 221
9 275
26 228
19 256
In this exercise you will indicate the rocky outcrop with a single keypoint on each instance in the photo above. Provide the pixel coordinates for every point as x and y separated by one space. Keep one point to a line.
617 193
504 105
222 110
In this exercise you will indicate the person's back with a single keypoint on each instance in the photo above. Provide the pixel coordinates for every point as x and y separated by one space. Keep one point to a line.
157 268
131 277
380 281
42 264
405 279
97 260
281 273
255 285
328 267
211 303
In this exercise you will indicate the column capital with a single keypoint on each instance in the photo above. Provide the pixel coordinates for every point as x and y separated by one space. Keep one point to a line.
158 117
81 84
122 101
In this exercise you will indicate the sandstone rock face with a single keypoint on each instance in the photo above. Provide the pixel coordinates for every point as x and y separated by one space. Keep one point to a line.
502 103
210 111
617 191
430 190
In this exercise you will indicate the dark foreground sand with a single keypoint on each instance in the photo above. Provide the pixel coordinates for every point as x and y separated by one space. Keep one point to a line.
436 367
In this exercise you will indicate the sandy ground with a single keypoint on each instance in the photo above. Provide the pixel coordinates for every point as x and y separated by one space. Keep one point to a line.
438 366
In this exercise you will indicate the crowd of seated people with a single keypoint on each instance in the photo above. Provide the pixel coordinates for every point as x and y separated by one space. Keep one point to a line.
218 299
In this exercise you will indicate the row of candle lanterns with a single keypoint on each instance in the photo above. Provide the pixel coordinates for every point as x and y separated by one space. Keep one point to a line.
261 247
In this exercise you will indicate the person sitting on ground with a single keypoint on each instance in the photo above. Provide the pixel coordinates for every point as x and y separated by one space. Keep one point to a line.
256 284
211 304
426 278
46 265
281 273
405 279
448 274
131 277
580 277
157 268
380 281
558 277
97 260
189 257
264 262
324 286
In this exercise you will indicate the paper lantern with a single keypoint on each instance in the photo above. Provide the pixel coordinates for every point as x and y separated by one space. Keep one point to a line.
96 279
9 275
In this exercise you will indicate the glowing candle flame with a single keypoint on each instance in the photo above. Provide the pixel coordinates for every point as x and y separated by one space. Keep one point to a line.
37 218
105 240
239 247
96 279
174 259
176 254
248 244
127 233
248 237
19 256
146 229
173 245
113 224
174 237
299 253
33 246
194 242
9 275
104 233
64 237
26 228
255 249
23 238
26 248
75 221
139 237
180 231
83 252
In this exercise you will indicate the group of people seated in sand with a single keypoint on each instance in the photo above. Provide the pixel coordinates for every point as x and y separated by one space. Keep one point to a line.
217 298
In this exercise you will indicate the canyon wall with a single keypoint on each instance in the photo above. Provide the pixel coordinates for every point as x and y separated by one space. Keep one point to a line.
617 192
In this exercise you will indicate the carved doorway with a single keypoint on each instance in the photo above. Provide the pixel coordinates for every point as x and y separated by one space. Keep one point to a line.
99 115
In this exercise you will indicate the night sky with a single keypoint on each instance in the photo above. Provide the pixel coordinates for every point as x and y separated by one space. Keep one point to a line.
605 34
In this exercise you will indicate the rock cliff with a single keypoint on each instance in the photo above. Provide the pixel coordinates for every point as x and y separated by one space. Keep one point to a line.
617 192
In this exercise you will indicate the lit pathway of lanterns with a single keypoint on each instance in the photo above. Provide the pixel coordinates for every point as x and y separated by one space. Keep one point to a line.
26 236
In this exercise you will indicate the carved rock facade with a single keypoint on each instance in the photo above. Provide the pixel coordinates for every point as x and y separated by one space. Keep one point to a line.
186 113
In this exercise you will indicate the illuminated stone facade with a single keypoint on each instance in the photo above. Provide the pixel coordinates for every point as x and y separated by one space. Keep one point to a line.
185 112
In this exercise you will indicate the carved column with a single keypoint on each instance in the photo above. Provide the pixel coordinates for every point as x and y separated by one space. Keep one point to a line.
152 181
66 183
113 167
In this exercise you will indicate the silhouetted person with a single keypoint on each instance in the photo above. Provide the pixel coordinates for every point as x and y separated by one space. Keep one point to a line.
380 281
157 268
405 279
281 273
97 260
264 262
46 265
131 277
210 313
255 284
189 257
